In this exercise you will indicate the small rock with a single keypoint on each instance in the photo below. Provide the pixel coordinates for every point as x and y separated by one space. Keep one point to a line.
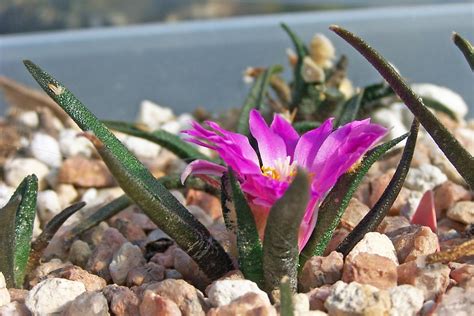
318 271
209 203
411 204
88 304
447 194
150 272
122 301
180 292
14 309
44 269
250 304
142 148
172 127
391 223
457 301
6 193
4 294
223 292
374 243
153 115
355 211
130 230
52 295
189 269
18 295
66 194
165 259
322 50
79 253
372 269
153 304
91 281
424 178
71 144
84 172
357 299
432 279
447 97
172 274
413 241
462 211
406 300
318 296
28 118
102 255
337 238
126 258
48 205
200 214
45 148
300 304
463 274
392 118
16 169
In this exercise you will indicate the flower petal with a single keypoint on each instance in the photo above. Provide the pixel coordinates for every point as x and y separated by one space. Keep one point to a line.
202 167
270 145
310 142
308 223
283 128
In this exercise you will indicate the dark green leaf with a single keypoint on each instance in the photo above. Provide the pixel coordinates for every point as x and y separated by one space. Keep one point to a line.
466 48
248 241
375 216
305 126
16 228
454 151
280 242
336 202
374 93
255 98
139 184
286 298
349 110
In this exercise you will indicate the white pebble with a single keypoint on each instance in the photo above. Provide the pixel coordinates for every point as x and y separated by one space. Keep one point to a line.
142 148
17 169
6 193
153 115
48 204
28 118
125 259
72 145
448 97
424 178
375 243
45 148
222 292
406 300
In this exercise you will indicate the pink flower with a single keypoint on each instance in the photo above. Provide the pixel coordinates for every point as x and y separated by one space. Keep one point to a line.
325 153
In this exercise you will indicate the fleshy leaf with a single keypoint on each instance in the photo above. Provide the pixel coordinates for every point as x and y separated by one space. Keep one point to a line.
173 143
454 151
16 228
139 184
466 48
286 298
350 109
336 202
248 242
375 216
280 241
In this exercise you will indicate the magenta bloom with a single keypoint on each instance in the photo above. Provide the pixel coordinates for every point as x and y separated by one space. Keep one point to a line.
325 153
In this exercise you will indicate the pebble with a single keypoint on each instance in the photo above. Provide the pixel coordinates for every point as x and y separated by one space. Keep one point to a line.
406 299
84 172
322 50
432 279
130 230
412 202
447 194
16 169
462 211
391 223
391 117
209 203
180 292
91 281
447 97
52 296
318 296
48 205
375 243
88 304
189 269
300 304
425 177
153 115
150 272
140 147
463 274
223 292
318 271
372 269
18 295
4 294
457 301
172 274
6 193
413 241
44 269
355 211
71 144
45 148
122 301
67 194
126 258
172 127
14 309
357 299
79 253
28 118
250 304
153 304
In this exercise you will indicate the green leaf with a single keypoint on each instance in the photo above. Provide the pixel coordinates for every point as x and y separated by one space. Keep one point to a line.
350 110
466 48
286 298
299 85
305 126
139 184
255 98
374 93
173 143
454 151
375 216
438 106
336 202
16 228
248 241
280 242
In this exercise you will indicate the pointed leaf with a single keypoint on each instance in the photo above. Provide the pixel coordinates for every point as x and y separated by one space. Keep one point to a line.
375 216
335 204
248 242
454 151
139 184
350 110
466 48
16 228
286 298
438 106
280 242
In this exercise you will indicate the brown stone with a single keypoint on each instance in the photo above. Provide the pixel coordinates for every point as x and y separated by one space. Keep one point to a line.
10 141
318 296
447 194
372 269
18 295
462 211
165 259
189 269
91 282
337 238
432 279
209 203
318 271
355 211
377 187
463 274
122 301
85 172
250 304
130 230
153 304
391 223
413 241
150 272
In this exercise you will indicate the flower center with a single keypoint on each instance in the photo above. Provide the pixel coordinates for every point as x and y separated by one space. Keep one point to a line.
282 170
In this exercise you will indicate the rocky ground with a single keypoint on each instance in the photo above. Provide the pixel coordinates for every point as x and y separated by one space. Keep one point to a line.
128 266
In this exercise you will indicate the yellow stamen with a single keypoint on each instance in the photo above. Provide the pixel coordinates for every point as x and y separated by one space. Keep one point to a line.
270 172
282 170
